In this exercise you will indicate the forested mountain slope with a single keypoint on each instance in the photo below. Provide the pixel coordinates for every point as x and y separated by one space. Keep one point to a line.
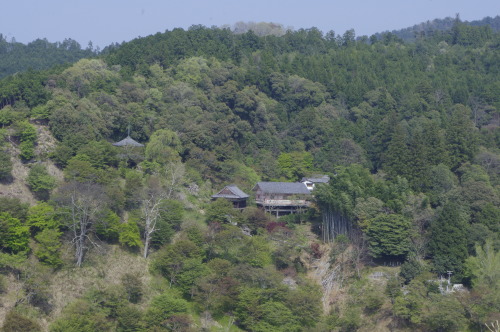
408 132
428 28
39 54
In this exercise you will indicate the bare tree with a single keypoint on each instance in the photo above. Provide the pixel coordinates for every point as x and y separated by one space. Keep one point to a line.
83 203
159 188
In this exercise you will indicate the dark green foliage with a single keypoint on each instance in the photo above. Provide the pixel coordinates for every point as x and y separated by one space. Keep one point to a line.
394 124
410 269
448 240
81 316
15 322
445 314
27 135
101 154
388 236
38 54
163 307
40 181
110 227
461 137
221 211
172 259
5 165
129 319
171 214
133 287
489 215
305 304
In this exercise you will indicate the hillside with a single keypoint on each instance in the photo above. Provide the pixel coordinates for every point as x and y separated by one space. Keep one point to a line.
98 237
430 28
39 54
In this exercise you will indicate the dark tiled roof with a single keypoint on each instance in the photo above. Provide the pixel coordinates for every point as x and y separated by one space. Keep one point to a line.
128 141
230 191
282 187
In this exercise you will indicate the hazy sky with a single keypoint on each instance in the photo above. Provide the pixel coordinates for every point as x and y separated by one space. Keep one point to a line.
107 21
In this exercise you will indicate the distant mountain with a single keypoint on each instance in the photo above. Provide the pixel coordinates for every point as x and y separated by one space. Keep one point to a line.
39 54
430 27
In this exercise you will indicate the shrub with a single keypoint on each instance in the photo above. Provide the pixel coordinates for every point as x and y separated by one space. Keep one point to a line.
5 165
133 287
15 322
40 181
47 247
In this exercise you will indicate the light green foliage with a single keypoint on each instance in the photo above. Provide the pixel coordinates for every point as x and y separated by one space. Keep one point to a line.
28 136
410 304
81 316
7 115
89 75
27 150
255 251
40 112
164 146
248 107
171 260
101 154
236 172
388 235
110 226
79 168
275 317
305 304
192 270
444 313
222 211
295 165
163 307
42 216
193 70
14 236
47 247
129 319
129 235
484 267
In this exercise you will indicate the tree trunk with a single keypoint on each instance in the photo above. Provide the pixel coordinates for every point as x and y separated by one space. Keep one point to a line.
146 245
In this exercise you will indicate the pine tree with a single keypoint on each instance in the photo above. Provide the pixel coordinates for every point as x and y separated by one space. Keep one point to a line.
397 158
448 240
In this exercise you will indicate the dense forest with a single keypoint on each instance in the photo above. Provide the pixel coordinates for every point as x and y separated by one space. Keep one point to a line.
96 237
39 54
430 27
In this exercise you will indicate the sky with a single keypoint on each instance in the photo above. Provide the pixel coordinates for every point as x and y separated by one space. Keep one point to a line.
108 21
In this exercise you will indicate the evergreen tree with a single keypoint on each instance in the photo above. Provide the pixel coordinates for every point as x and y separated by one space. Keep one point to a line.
397 158
461 137
448 240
